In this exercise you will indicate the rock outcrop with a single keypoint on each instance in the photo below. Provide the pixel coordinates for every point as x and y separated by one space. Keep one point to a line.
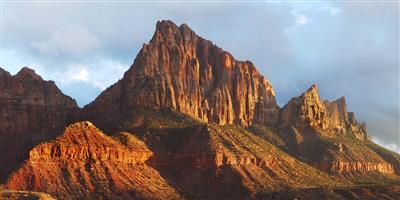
342 121
350 167
84 163
329 118
31 105
184 72
84 142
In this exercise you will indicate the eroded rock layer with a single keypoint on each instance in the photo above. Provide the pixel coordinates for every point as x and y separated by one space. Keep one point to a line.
83 163
340 167
184 72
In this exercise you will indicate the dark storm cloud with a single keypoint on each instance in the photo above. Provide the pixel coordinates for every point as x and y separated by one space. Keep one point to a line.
348 49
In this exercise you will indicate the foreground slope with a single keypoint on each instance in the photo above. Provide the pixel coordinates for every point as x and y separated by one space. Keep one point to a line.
83 163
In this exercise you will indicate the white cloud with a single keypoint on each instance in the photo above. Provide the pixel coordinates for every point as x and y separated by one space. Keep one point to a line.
391 146
81 75
301 20
74 41
100 74
335 11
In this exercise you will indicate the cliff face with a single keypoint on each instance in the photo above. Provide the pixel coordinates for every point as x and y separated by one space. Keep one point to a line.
84 163
184 72
330 118
31 105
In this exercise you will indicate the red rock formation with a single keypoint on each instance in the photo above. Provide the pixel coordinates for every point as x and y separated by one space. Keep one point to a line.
340 167
330 118
342 121
305 110
84 163
189 74
31 105
83 141
31 110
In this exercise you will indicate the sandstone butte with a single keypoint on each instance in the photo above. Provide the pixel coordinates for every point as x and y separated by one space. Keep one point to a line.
187 121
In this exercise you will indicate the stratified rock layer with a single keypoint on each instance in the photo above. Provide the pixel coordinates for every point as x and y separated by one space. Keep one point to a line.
83 142
83 163
341 167
184 72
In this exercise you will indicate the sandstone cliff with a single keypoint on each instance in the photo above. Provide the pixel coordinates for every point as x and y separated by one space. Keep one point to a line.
31 105
184 72
84 163
340 167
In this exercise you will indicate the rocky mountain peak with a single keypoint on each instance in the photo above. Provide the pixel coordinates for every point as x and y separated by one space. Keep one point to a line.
311 93
27 72
184 72
27 92
306 110
332 118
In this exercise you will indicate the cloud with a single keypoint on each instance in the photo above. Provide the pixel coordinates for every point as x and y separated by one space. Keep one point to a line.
100 74
301 20
75 41
394 146
81 75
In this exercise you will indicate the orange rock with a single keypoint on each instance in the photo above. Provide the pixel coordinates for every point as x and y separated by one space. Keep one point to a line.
189 74
332 118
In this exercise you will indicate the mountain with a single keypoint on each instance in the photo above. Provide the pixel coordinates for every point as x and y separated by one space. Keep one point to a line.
184 72
188 121
332 118
30 104
329 137
32 110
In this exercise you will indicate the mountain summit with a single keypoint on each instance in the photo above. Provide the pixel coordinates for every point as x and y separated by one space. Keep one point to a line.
186 73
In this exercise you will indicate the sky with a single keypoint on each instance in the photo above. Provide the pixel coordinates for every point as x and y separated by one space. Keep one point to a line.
348 48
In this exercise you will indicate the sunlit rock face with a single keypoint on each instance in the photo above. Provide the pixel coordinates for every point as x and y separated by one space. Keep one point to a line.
349 167
84 163
31 105
332 118
184 72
